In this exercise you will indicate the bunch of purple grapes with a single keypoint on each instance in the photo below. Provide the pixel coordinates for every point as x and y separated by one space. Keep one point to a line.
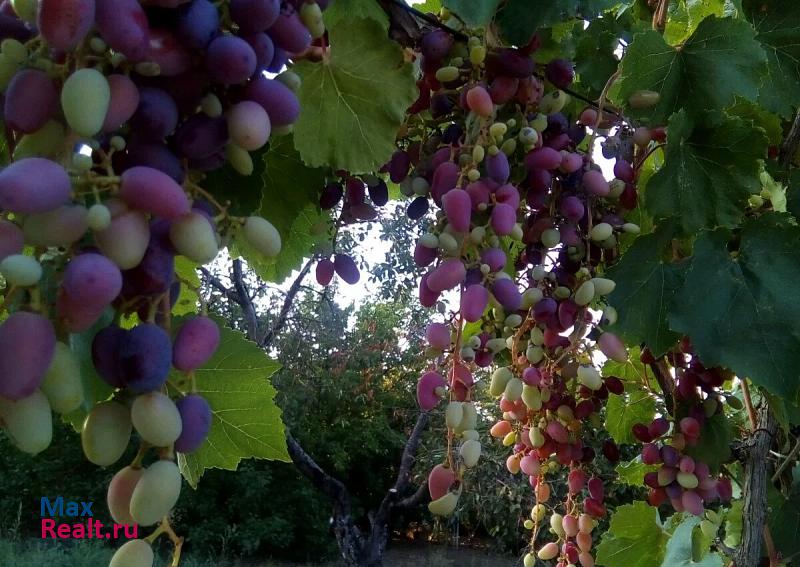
116 110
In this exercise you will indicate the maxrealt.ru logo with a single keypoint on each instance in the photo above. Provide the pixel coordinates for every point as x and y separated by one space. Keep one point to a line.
84 526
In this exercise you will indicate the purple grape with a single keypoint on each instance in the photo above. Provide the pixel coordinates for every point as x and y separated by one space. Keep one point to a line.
503 219
324 271
33 185
230 60
124 101
398 166
452 134
624 170
507 294
14 28
545 309
438 335
76 317
31 100
457 206
156 155
445 178
507 194
379 193
167 51
427 297
196 342
123 25
436 45
595 183
331 195
12 241
417 208
145 357
255 15
424 256
210 162
479 194
346 268
154 274
289 33
509 62
278 61
473 302
64 23
201 136
497 167
446 275
560 73
153 191
263 47
105 354
196 423
156 115
278 100
572 208
197 23
670 456
495 258
92 280
543 158
27 345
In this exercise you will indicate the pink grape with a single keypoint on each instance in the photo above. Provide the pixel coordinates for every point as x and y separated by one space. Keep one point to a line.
530 465
507 194
596 491
611 346
507 294
12 240
479 194
438 335
152 191
324 271
473 302
560 73
346 268
595 183
503 219
447 275
669 455
502 89
195 343
576 480
624 170
572 208
27 346
588 117
33 185
571 162
277 99
531 376
92 280
196 423
248 125
123 25
458 208
426 390
445 178
76 317
650 454
543 158
31 99
658 427
479 101
166 50
427 297
557 432
692 502
123 103
690 427
64 23
440 479
686 464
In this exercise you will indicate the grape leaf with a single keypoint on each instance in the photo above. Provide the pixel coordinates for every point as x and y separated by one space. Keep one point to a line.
771 123
720 59
595 60
712 167
354 101
777 23
631 370
95 389
679 548
518 20
632 472
739 310
685 15
246 422
714 445
429 6
341 11
474 14
635 538
242 191
784 517
623 412
188 299
645 285
793 193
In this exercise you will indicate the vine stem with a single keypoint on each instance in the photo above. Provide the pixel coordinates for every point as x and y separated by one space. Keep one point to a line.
600 106
429 19
787 461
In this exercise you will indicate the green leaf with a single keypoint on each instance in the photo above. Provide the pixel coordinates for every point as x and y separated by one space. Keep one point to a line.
645 285
679 548
475 14
793 193
733 524
685 15
341 11
752 112
354 101
632 370
95 389
187 302
739 310
714 445
429 6
623 412
595 60
720 59
518 20
711 169
784 518
635 538
787 413
245 422
243 192
632 472
778 25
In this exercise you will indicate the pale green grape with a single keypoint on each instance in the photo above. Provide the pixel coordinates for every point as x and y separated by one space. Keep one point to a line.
264 237
28 422
47 141
134 553
156 492
21 270
156 419
194 237
85 97
106 433
239 159
26 9
62 383
98 217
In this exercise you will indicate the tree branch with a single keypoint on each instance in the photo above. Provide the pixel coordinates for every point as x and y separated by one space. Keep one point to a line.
278 324
250 317
219 286
791 143
328 485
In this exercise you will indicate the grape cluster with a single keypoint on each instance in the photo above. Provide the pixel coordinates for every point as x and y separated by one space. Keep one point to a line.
116 111
512 193
685 481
